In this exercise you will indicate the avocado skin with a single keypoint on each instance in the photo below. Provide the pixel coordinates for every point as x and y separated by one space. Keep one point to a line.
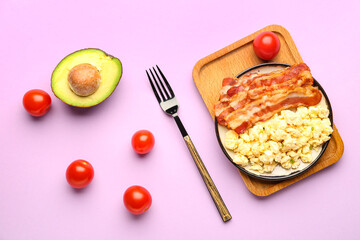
74 103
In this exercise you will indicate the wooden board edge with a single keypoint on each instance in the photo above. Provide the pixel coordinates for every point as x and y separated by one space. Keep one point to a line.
202 62
289 40
274 27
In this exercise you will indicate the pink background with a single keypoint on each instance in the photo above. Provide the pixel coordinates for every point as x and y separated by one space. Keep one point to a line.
37 203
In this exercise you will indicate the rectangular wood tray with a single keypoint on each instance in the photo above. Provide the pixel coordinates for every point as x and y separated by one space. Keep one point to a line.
209 72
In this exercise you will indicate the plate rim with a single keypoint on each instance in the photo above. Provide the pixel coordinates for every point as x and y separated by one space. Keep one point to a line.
296 173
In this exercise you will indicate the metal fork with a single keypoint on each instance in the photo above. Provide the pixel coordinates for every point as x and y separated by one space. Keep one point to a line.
167 100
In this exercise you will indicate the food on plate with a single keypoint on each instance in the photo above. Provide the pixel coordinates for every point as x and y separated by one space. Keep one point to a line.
286 139
266 45
137 199
257 97
79 173
274 119
37 102
143 141
86 78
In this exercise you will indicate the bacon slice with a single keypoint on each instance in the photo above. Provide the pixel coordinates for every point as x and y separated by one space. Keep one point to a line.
257 97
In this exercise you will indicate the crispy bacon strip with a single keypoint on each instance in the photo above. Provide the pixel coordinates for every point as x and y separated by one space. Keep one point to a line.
257 97
263 110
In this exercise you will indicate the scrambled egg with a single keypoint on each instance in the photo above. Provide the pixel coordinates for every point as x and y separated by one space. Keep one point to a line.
285 139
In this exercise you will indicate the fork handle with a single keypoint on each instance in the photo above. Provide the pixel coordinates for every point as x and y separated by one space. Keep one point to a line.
224 212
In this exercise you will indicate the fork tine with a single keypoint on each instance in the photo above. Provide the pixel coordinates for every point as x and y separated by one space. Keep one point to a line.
157 85
153 87
161 83
166 82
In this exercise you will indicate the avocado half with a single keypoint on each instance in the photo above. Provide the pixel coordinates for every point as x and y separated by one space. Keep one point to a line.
110 70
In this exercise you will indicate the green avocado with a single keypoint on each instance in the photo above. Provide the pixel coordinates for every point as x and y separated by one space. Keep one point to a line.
86 77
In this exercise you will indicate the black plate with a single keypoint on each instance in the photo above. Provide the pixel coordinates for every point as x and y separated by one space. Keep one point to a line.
295 173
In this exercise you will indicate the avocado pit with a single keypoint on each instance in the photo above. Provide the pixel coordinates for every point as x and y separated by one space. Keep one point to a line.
84 79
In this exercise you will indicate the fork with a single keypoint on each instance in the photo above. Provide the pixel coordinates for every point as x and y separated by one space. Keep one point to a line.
168 103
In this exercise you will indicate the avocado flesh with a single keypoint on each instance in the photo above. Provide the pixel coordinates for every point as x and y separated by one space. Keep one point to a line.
110 70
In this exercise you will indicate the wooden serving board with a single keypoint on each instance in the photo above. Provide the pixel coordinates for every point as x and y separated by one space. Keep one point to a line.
209 72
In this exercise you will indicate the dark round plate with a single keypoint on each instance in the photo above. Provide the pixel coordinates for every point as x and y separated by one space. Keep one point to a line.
267 67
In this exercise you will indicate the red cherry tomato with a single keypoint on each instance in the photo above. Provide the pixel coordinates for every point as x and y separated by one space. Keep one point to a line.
137 199
36 102
143 141
266 45
79 174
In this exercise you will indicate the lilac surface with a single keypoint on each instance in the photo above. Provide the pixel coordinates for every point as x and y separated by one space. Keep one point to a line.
37 203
